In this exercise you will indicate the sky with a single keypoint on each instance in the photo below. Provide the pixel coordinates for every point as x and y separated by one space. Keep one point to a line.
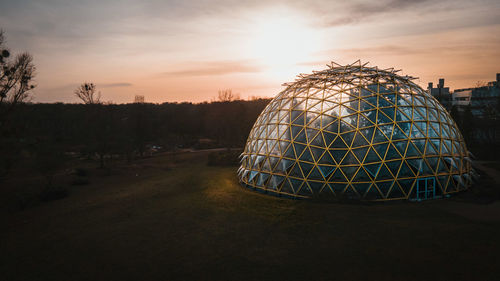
188 50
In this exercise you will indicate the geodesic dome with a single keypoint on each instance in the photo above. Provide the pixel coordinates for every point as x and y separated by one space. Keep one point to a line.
355 132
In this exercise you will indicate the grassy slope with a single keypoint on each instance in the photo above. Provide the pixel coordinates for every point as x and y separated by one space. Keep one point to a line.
194 222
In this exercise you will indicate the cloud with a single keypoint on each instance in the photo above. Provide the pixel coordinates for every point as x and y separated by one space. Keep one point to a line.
355 12
215 68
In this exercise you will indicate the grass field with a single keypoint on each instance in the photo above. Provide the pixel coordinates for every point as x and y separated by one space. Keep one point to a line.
179 219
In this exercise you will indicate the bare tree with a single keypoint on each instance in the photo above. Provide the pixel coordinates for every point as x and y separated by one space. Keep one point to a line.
16 75
87 93
139 99
480 84
227 95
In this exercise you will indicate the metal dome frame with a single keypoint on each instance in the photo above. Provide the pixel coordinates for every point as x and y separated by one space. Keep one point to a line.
358 132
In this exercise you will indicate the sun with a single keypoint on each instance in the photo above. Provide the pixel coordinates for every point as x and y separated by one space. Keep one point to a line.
282 39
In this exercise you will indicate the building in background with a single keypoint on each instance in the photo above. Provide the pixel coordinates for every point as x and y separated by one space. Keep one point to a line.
483 100
441 93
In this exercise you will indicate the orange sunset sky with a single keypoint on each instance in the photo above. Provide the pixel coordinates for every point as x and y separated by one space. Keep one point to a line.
188 50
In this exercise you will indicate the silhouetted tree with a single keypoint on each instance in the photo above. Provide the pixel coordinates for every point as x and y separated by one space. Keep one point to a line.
227 96
87 93
16 74
139 99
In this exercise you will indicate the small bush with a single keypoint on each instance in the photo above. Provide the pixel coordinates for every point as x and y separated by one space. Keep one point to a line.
224 158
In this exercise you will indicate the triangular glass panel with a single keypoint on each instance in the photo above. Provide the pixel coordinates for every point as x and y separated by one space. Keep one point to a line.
392 153
275 181
359 140
381 149
345 126
390 112
348 137
252 175
304 190
383 102
326 170
430 150
306 156
296 184
316 174
371 156
360 153
306 168
285 165
372 100
299 148
338 176
296 172
311 134
296 130
402 114
327 190
338 155
401 146
333 127
287 187
426 169
338 188
398 134
365 106
361 175
262 178
372 193
384 173
361 188
394 166
350 193
406 185
349 171
396 192
371 115
433 163
405 171
415 165
349 159
298 118
316 186
318 140
326 159
379 137
317 152
418 114
289 153
338 143
373 169
384 187
368 133
382 119
329 138
443 167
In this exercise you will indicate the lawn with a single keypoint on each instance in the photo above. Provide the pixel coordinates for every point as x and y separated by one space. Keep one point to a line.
175 218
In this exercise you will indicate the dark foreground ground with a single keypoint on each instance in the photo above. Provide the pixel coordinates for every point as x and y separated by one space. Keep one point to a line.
182 220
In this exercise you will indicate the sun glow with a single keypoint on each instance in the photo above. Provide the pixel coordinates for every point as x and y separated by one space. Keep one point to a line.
282 40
